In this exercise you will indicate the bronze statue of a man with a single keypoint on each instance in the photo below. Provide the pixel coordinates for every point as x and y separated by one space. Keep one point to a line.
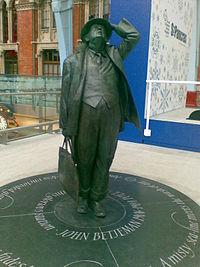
95 102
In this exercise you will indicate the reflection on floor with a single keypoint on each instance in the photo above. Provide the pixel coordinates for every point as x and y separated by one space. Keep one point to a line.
26 120
178 115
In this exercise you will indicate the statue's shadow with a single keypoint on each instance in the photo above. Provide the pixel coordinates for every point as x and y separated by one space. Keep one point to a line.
65 211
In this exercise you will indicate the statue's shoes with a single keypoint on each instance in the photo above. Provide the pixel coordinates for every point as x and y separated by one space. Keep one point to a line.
97 208
82 206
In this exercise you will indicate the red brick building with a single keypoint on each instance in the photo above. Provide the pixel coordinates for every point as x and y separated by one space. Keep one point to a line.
83 10
28 36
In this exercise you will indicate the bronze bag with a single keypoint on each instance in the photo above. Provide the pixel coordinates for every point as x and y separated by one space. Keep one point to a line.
67 169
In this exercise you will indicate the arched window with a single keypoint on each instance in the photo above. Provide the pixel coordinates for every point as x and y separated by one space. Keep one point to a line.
11 66
45 14
99 8
93 9
54 21
5 23
51 62
14 21
106 9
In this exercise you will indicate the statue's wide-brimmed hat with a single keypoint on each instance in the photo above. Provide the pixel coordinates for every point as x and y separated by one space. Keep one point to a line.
100 21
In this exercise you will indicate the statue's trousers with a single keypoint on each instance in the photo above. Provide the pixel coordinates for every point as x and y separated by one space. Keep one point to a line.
95 147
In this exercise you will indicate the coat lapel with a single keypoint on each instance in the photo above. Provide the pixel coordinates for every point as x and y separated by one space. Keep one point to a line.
115 57
81 59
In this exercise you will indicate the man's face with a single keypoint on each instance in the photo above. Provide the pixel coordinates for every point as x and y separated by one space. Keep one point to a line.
97 31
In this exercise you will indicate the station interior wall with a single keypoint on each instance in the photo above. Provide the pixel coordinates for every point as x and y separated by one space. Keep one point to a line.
164 133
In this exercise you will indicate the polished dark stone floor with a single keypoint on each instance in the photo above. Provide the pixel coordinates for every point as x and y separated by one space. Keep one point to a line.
148 224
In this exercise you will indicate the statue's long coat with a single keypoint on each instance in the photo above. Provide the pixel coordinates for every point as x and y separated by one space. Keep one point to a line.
74 74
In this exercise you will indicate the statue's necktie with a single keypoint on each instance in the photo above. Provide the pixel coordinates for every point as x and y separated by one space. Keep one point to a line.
98 56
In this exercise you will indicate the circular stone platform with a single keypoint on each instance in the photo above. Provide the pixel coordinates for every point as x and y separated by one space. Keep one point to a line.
148 224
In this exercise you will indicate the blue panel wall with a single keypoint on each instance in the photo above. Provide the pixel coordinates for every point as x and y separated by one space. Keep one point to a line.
168 134
175 135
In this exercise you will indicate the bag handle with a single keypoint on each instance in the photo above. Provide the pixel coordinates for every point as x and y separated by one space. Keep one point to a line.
67 141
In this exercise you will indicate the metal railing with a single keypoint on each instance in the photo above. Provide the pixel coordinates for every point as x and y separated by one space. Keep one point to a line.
147 131
50 124
45 123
